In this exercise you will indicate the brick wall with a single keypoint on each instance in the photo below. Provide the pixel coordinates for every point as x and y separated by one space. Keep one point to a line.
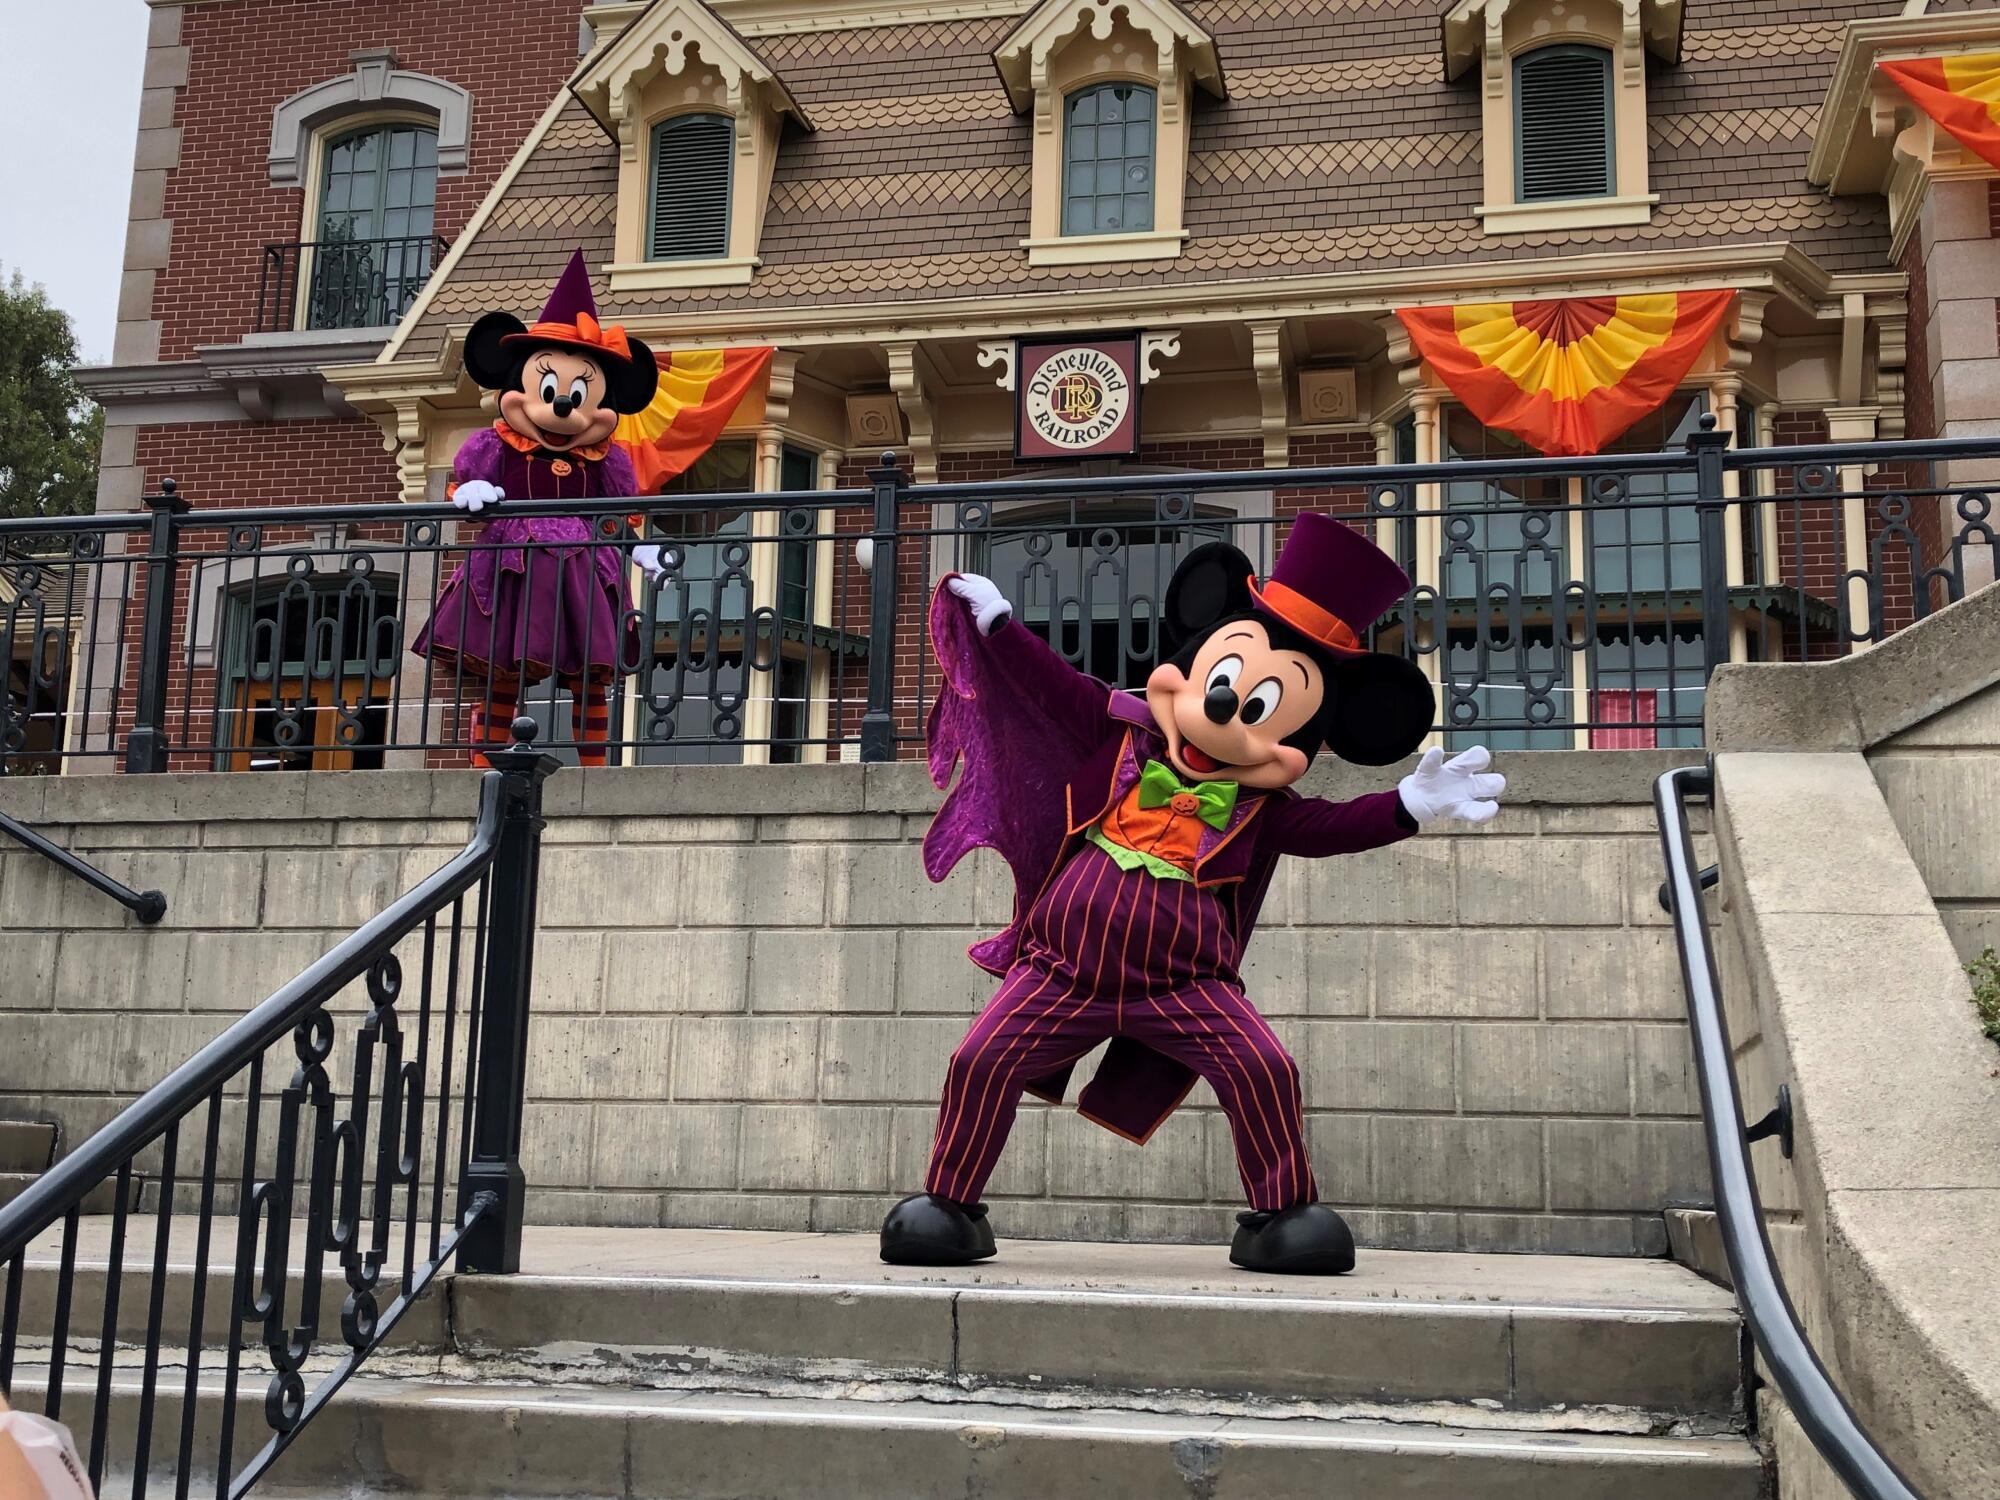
746 994
247 56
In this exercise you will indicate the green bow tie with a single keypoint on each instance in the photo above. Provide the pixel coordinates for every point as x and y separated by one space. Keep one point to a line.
1158 785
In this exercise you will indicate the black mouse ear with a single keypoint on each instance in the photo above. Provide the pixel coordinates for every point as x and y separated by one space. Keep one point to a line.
630 387
1212 583
487 359
1381 711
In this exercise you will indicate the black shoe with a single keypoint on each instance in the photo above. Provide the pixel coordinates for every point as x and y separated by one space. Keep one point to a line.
1309 1240
926 1230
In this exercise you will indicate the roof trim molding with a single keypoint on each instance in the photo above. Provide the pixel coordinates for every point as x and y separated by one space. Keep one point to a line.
662 40
1863 112
1023 55
1473 31
1870 137
375 81
1780 269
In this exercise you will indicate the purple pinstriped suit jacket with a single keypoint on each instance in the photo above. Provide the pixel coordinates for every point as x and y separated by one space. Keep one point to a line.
1025 722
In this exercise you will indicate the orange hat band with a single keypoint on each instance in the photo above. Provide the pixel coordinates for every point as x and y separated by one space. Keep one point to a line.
1296 610
587 331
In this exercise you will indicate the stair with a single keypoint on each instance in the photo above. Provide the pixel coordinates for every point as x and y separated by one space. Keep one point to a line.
28 1149
724 1365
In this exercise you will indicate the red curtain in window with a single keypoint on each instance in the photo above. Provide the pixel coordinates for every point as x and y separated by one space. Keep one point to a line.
1620 708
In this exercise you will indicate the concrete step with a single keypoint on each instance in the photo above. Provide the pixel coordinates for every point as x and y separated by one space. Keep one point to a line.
722 1365
430 1440
1524 1332
1109 1324
26 1145
101 1200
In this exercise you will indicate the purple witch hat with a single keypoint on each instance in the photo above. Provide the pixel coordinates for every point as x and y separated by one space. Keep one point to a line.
570 322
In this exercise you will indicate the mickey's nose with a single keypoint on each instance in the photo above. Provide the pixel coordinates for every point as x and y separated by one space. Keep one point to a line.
563 406
1220 705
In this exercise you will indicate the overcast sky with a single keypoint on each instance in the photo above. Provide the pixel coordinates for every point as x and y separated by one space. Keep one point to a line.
66 172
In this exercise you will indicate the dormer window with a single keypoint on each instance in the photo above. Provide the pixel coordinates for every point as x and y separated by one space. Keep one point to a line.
1108 159
1562 87
698 114
1564 144
688 215
1110 84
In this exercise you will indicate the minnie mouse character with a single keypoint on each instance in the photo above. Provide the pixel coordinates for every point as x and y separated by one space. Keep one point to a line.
537 597
1142 833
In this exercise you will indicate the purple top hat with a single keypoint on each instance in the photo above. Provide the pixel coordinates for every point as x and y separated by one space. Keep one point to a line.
1330 583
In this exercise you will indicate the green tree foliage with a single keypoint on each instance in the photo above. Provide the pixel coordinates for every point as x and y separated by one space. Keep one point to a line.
49 432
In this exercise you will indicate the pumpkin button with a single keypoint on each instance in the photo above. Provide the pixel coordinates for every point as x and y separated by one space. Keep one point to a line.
1185 803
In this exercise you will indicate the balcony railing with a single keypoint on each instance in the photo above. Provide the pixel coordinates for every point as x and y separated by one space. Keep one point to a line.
343 283
1556 603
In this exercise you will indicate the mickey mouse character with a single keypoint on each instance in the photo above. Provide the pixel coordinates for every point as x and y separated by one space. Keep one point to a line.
536 597
1142 833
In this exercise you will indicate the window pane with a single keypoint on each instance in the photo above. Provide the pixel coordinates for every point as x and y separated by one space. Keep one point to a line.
1108 159
381 184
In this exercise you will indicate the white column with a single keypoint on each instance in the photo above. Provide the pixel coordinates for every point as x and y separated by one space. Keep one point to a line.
1426 406
1723 392
1854 424
760 701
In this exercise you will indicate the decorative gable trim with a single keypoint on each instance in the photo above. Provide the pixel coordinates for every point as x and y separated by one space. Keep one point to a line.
1473 33
674 57
662 41
1186 51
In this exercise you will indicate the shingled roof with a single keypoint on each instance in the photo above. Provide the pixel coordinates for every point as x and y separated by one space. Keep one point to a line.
1339 148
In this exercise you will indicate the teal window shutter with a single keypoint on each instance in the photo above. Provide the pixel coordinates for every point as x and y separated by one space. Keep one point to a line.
687 215
1564 143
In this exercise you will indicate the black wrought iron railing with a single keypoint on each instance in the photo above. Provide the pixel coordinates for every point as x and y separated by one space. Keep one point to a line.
315 285
1819 1408
1556 603
147 906
264 1224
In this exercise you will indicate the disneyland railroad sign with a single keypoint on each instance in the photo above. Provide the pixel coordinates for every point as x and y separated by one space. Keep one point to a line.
1078 398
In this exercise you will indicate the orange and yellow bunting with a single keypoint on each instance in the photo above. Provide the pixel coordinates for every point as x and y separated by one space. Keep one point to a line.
699 390
1566 376
1962 93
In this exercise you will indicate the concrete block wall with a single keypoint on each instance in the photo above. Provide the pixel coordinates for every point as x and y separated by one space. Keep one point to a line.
746 993
1841 954
1941 780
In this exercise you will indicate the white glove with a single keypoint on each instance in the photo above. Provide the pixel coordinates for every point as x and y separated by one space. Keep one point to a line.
476 494
1454 788
658 561
989 609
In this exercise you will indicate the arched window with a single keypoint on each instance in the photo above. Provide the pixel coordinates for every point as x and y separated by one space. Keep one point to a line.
687 215
1563 131
1108 141
374 241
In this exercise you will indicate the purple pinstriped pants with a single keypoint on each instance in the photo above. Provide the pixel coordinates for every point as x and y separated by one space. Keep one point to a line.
1109 952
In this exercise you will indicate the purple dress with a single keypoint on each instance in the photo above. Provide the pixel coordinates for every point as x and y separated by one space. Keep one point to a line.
536 597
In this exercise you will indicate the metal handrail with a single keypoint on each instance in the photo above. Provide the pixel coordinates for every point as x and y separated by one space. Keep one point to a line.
1820 1410
63 1186
147 906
